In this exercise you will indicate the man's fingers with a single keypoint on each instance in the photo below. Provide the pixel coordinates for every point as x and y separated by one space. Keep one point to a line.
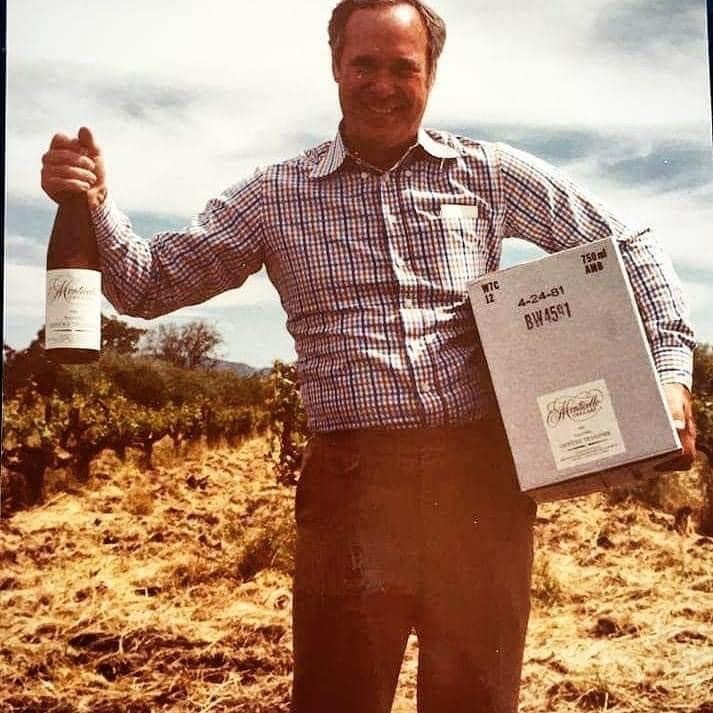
688 433
74 165
71 172
69 158
66 165
66 171
680 407
676 408
83 143
58 186
687 436
61 141
86 140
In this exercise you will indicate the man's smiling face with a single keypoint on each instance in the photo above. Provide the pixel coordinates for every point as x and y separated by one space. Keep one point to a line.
384 80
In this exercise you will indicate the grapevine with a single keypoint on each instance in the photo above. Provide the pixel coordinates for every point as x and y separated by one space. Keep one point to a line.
288 422
88 410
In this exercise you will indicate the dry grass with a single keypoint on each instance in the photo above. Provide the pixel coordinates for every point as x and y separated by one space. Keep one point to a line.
622 611
169 591
145 594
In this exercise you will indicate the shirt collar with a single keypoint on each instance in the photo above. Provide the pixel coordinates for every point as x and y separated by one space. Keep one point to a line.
435 148
337 153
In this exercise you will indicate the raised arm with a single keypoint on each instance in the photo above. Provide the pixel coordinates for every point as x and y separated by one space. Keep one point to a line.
146 278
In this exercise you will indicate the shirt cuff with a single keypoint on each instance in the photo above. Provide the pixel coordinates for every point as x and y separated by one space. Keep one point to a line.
106 219
674 366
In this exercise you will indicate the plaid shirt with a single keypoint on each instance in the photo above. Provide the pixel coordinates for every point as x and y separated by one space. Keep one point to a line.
371 268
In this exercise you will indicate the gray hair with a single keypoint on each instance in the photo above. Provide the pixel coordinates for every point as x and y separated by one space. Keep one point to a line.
433 22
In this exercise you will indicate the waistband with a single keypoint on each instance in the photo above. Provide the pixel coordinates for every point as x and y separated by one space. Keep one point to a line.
431 437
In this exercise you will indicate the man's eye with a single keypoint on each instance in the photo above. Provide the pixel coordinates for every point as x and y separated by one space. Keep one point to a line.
364 67
405 70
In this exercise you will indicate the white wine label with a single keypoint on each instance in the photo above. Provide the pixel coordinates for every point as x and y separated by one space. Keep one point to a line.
73 309
581 424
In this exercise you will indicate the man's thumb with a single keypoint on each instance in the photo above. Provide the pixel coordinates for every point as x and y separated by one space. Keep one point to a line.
86 139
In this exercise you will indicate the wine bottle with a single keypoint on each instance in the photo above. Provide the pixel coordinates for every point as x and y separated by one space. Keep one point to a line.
73 298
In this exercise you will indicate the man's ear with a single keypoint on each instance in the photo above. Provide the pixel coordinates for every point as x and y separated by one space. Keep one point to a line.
335 69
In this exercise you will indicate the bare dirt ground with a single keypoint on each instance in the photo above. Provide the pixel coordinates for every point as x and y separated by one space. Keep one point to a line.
169 590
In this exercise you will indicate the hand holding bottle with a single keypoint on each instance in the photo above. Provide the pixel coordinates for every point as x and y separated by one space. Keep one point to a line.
74 165
73 177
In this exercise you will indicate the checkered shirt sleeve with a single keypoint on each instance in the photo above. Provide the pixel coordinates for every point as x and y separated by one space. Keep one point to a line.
546 208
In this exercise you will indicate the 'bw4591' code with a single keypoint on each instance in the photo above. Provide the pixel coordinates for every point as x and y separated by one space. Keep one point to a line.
547 315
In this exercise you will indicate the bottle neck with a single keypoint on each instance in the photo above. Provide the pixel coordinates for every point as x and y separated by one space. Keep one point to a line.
73 242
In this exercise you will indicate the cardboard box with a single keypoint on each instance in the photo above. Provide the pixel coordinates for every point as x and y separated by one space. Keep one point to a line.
572 372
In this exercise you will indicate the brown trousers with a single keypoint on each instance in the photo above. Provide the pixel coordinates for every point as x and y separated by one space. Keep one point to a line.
415 529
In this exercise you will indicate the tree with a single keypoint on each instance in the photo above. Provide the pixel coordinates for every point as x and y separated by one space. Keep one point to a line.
118 336
190 345
199 341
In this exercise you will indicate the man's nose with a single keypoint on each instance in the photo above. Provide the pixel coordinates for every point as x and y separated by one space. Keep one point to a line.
382 84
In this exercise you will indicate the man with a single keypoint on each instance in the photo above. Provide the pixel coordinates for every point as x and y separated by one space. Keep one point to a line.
408 511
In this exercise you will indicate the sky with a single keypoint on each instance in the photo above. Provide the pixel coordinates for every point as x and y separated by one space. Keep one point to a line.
186 98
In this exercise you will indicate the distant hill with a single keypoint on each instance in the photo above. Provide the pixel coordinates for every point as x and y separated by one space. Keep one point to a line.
236 367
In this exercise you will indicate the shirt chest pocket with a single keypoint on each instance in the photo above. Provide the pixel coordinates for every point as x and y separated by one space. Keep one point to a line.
454 243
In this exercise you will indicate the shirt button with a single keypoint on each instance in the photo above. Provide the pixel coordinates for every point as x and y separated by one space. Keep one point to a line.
426 387
408 304
364 174
408 173
393 220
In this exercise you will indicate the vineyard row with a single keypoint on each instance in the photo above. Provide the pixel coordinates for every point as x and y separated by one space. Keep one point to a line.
50 432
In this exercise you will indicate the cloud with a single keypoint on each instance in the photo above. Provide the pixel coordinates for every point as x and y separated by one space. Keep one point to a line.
168 144
24 303
24 291
560 64
29 218
646 26
650 160
558 145
666 165
146 101
23 250
37 86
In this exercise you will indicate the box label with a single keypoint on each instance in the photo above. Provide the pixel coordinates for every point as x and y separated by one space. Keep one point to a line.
581 424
